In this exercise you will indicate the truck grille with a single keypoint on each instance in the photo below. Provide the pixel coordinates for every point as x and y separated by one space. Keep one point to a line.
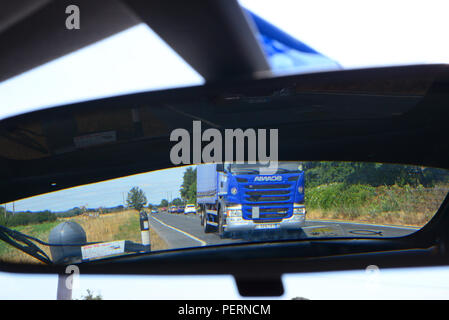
274 200
268 193
281 211
267 221
261 199
267 186
268 213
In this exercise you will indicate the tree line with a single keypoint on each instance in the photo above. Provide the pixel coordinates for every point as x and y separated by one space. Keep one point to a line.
316 174
349 173
372 174
22 218
9 219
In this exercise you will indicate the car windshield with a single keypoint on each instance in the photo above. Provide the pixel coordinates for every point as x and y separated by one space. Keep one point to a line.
144 213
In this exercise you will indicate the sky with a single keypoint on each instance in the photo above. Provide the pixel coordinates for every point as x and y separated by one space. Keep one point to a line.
354 33
133 60
157 185
364 33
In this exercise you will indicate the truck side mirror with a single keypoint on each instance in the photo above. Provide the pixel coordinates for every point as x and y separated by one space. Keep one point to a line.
220 167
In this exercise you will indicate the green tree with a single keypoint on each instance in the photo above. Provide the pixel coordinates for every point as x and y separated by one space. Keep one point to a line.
3 216
177 202
90 296
164 203
373 174
136 198
188 187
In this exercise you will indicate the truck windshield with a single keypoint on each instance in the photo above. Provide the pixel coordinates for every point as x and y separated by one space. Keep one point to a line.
282 167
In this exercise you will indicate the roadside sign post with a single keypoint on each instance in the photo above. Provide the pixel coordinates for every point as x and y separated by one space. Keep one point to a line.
145 229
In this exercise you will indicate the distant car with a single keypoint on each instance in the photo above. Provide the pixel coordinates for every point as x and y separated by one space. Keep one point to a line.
154 210
180 209
190 208
173 209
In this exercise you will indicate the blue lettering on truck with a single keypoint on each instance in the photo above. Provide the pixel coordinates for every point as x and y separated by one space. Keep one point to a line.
237 198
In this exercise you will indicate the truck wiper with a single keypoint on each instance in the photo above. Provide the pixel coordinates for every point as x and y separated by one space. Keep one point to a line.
279 170
23 242
247 171
282 170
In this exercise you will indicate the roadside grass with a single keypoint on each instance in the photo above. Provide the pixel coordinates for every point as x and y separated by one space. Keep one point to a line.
391 205
123 225
385 218
40 231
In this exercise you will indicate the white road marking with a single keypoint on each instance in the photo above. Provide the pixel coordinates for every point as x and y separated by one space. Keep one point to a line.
203 243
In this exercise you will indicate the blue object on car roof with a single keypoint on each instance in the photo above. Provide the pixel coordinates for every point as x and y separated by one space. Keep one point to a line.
285 53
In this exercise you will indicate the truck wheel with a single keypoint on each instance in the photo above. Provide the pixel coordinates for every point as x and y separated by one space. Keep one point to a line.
202 218
207 227
221 232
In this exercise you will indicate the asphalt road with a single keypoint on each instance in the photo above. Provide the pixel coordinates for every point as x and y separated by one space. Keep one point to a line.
183 231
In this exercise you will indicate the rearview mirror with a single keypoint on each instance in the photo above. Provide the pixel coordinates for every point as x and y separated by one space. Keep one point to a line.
74 145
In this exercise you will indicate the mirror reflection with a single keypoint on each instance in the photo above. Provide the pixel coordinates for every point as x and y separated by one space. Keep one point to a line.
213 204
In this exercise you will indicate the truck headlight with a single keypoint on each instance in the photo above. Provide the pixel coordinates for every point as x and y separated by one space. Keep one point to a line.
300 189
299 209
234 190
234 211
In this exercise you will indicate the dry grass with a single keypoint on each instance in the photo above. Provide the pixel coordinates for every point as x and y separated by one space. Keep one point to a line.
108 227
389 205
123 225
398 218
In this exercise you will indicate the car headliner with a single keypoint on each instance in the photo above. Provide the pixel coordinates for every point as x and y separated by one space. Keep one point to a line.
35 33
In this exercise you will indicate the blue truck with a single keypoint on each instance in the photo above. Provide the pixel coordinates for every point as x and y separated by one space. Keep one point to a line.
235 198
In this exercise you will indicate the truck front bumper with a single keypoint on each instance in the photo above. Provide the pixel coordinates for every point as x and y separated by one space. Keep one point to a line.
238 224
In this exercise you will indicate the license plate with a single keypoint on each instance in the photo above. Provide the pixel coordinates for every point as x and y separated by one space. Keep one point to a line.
268 226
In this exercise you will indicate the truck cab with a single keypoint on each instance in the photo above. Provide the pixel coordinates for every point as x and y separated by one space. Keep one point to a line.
243 198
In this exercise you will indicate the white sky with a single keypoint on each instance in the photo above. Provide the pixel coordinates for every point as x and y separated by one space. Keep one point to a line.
415 284
131 61
364 33
354 33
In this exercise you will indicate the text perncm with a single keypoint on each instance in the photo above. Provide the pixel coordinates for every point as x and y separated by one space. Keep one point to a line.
257 309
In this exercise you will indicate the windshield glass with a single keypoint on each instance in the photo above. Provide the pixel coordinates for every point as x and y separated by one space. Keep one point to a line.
302 200
258 168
